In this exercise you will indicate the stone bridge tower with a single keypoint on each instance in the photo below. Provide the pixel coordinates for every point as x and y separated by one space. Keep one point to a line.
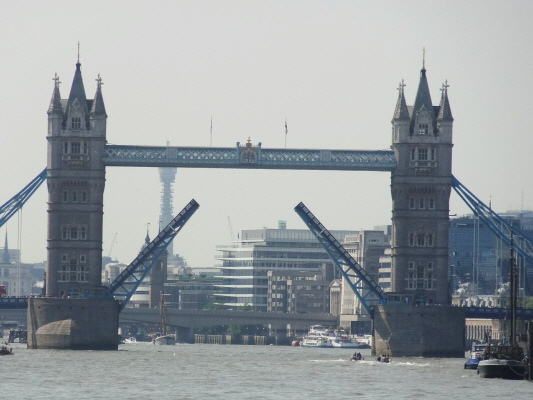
420 188
76 178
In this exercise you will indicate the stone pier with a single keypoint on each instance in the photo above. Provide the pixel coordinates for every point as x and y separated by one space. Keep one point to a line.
419 331
74 324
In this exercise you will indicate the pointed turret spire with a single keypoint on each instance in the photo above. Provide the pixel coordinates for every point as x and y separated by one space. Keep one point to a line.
5 255
423 97
445 112
98 107
55 103
401 111
77 92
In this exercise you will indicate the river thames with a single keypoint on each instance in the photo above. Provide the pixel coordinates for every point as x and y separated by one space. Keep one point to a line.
145 371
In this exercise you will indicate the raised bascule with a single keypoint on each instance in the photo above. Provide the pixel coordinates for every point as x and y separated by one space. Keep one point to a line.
420 163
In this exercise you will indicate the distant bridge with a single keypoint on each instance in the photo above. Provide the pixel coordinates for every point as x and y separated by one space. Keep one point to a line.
15 309
205 318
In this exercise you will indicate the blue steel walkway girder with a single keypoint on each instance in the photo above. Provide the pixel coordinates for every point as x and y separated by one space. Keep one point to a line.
499 226
9 208
249 157
125 285
364 287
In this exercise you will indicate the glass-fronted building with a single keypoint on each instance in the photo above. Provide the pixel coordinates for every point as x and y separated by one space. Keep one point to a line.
245 264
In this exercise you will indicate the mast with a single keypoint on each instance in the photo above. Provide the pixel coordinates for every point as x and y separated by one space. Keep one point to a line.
163 315
514 291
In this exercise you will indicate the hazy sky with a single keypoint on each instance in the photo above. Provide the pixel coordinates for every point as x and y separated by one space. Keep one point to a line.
330 67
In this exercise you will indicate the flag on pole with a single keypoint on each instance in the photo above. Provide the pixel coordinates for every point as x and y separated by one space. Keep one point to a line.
211 133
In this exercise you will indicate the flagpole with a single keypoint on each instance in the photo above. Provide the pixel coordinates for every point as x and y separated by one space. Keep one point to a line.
286 131
211 133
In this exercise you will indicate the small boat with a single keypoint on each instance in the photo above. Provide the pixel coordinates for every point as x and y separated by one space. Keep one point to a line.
164 338
384 358
130 340
4 351
476 355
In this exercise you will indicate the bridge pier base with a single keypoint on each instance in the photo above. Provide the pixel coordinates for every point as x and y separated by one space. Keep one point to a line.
419 331
184 334
73 324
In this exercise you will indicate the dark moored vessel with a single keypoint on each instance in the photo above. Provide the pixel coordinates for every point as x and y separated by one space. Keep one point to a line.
505 361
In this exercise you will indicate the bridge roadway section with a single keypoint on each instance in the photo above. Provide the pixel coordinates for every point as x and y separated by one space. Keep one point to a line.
203 318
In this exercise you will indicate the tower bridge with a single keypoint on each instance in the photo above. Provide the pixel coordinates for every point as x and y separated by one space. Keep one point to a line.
420 163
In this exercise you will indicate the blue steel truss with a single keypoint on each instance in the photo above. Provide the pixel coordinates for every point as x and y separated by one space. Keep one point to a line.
8 209
251 157
125 285
500 227
364 287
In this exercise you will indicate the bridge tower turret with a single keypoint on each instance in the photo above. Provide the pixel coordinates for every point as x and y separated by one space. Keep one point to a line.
420 189
76 178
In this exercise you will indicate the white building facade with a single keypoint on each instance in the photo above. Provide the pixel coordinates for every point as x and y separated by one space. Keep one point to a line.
245 265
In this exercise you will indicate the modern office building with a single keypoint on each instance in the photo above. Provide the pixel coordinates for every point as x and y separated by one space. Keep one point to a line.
366 248
478 257
297 292
245 264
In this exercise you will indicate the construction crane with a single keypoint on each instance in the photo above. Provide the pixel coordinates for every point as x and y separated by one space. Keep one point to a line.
112 244
231 230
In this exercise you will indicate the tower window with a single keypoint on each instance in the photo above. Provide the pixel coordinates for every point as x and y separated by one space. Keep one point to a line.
430 239
411 239
411 203
423 154
75 148
74 196
423 129
431 203
420 239
421 204
433 155
84 196
76 123
413 154
64 198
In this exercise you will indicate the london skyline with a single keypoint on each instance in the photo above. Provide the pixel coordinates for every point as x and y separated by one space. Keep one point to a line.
330 70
